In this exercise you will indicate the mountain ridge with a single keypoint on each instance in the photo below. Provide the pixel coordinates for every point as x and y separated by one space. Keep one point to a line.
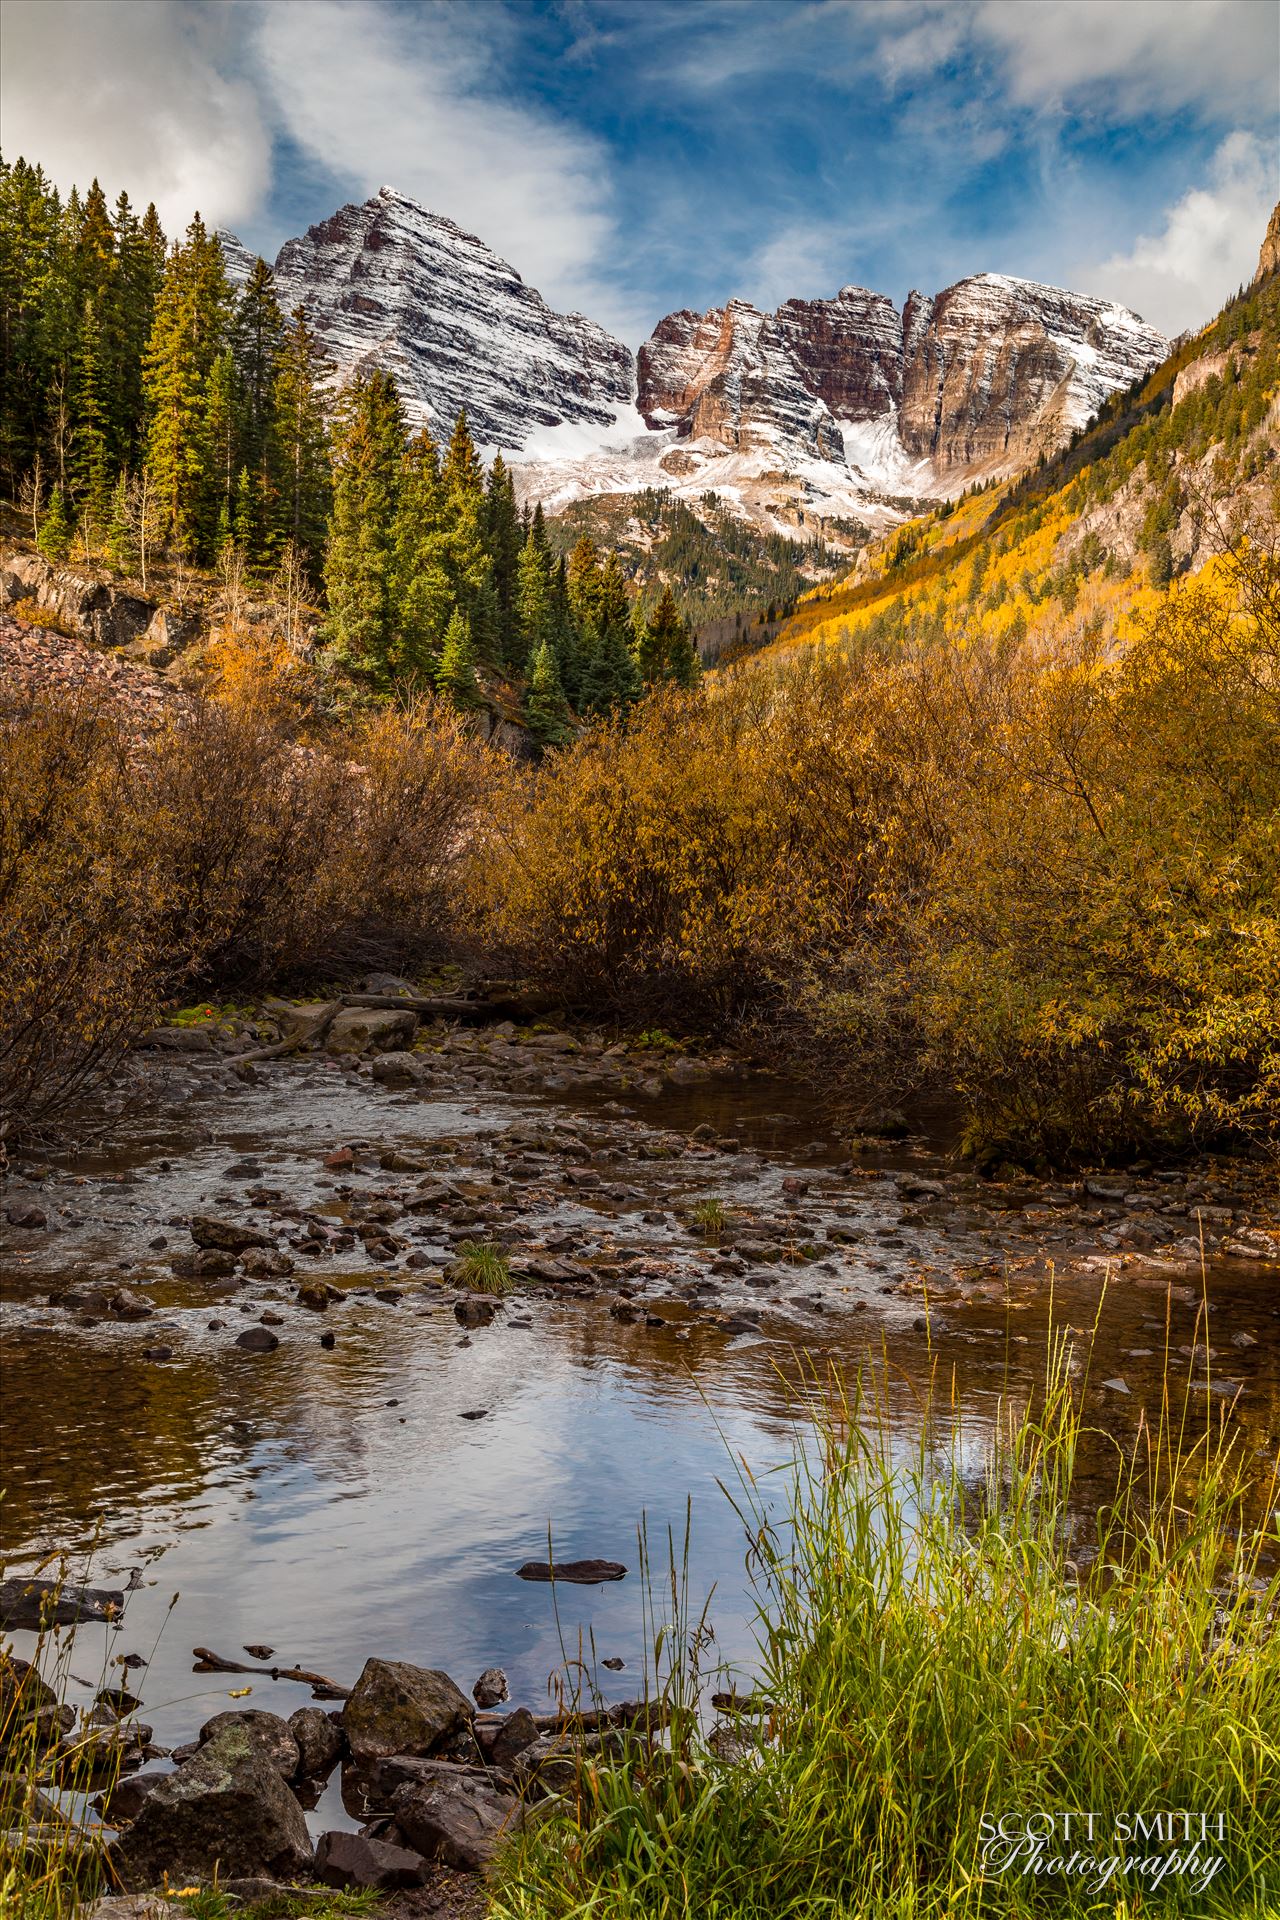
822 410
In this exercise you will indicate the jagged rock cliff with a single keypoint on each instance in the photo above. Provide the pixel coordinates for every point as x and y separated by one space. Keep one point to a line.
390 284
1269 256
985 375
822 410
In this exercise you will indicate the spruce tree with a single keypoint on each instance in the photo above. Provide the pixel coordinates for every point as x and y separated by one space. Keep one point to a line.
90 453
566 635
187 336
502 539
421 591
462 473
610 682
221 438
456 674
300 441
360 561
121 548
533 601
28 218
486 621
257 342
465 516
546 711
54 538
664 647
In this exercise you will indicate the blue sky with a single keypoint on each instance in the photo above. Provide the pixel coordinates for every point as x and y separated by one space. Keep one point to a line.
632 156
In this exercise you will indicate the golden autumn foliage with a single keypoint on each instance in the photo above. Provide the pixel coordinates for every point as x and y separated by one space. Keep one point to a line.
220 845
1087 537
1052 875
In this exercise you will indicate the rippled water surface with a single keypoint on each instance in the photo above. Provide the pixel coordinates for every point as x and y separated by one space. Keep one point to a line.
335 1504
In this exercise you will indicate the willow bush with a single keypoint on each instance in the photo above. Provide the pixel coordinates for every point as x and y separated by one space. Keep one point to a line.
1048 876
222 844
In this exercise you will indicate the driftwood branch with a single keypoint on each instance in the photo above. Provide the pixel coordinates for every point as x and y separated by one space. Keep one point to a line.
207 1661
307 1038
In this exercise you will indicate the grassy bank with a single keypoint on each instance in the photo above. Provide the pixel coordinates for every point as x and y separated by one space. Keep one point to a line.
944 1646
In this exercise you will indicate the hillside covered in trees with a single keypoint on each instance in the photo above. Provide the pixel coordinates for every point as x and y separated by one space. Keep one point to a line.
725 575
151 414
1093 537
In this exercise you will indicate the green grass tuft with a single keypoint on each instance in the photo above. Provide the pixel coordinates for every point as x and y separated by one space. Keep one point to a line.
481 1268
939 1647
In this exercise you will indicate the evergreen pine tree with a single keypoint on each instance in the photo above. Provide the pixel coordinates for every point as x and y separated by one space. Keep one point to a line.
456 674
502 539
566 634
465 515
360 561
54 538
664 646
221 437
546 711
187 336
610 682
462 472
538 531
258 342
121 549
533 601
90 451
300 454
26 234
486 621
421 590
245 520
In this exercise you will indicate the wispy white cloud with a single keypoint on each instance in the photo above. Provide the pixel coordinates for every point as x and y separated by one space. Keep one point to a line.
1208 245
1139 56
425 102
145 95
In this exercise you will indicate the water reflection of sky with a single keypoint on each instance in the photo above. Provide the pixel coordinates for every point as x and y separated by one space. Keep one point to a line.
335 1504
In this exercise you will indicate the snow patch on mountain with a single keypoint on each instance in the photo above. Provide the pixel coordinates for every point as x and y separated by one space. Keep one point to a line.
827 410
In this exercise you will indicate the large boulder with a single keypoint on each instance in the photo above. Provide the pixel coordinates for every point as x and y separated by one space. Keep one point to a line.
319 1741
226 1812
226 1236
98 611
398 1708
460 1817
297 1021
264 1734
400 1069
371 1030
518 1731
355 1860
29 1603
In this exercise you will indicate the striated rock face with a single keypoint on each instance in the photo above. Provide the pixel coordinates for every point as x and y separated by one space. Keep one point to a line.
730 376
1269 257
391 285
826 407
989 373
996 371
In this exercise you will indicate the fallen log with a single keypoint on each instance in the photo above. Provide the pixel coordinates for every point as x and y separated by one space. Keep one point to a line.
207 1661
279 1048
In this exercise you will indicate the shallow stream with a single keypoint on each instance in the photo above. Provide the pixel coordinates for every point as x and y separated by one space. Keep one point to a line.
337 1502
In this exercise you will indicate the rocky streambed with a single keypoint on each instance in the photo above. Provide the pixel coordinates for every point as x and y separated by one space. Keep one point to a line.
250 1360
